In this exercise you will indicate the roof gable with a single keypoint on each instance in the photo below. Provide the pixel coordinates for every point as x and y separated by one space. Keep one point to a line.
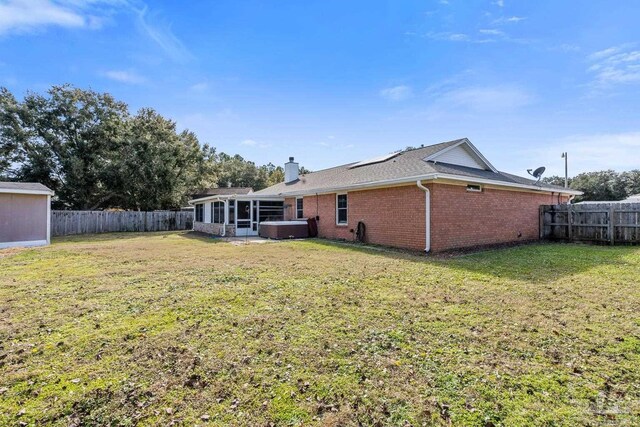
403 167
463 153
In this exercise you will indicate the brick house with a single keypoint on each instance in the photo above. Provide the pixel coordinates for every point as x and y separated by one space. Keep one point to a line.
434 198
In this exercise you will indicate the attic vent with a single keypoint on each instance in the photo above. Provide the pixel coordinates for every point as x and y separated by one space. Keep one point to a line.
474 188
378 159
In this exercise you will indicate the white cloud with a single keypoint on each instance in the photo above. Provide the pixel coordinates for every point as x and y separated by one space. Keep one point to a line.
199 87
488 98
509 19
592 152
252 143
615 65
491 32
122 76
396 93
499 3
448 36
485 35
162 35
19 16
29 15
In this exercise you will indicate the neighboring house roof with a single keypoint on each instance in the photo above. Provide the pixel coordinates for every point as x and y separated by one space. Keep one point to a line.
24 188
631 199
222 191
430 162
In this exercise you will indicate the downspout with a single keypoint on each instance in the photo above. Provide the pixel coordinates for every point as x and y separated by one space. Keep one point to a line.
427 215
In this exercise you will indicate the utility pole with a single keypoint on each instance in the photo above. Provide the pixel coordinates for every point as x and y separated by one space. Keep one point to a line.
566 170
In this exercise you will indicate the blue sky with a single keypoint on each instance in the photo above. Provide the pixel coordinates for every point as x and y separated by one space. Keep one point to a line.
331 82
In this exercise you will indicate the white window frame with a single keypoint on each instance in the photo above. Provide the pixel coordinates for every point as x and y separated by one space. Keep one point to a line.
299 215
220 210
347 209
195 212
472 188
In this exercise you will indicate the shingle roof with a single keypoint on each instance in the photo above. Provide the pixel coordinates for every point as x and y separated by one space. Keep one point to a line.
407 164
23 186
223 191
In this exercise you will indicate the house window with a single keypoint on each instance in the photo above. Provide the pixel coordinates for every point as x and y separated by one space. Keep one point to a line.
474 188
199 212
341 209
217 212
299 210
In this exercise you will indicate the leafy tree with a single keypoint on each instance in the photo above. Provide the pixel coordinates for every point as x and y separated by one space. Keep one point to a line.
158 166
555 180
86 147
62 141
600 185
631 181
235 171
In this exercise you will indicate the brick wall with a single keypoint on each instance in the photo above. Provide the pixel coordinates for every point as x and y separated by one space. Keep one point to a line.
396 216
393 216
460 218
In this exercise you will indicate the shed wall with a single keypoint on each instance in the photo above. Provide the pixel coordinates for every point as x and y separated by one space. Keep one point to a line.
23 217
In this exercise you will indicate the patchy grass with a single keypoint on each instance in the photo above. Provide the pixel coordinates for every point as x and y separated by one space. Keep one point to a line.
132 329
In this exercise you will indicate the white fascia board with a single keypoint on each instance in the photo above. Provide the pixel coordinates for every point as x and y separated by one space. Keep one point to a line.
429 177
19 191
205 199
235 197
509 184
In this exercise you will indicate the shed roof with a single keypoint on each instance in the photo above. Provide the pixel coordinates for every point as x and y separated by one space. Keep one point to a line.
407 165
24 188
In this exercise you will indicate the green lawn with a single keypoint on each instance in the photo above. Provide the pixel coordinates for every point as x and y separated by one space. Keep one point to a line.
146 329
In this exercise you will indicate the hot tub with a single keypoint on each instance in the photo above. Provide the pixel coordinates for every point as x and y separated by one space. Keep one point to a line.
284 229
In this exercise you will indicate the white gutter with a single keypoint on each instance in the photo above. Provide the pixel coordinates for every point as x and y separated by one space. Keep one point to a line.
427 215
428 177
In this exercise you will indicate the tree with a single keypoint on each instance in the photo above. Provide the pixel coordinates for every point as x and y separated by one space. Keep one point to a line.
601 185
631 182
555 180
86 147
62 141
158 166
235 171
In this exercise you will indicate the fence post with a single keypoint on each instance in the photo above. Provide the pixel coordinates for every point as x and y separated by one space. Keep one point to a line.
612 226
541 222
569 222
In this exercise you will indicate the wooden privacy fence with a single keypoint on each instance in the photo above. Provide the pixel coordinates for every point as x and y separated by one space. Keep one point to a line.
612 223
64 223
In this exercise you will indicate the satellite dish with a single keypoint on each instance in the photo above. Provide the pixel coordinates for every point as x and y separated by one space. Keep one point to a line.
537 174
